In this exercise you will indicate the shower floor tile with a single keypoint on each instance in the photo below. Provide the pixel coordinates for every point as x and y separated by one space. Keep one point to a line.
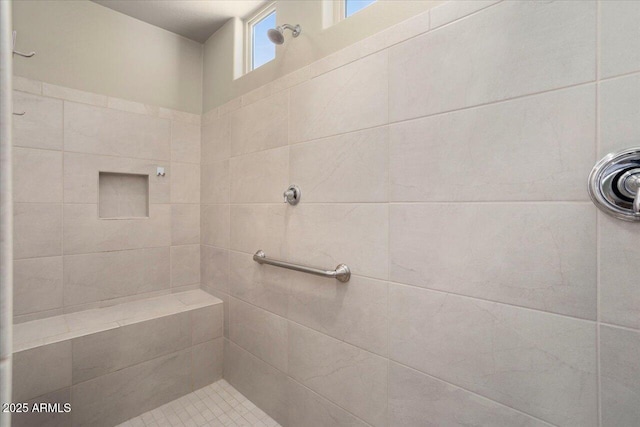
216 405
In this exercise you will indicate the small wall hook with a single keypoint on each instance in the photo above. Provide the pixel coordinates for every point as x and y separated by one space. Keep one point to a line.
15 52
20 114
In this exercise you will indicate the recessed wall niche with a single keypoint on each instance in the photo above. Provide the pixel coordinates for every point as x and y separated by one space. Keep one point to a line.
123 195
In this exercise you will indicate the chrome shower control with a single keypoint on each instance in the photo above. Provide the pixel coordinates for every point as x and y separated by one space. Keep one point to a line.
614 184
292 195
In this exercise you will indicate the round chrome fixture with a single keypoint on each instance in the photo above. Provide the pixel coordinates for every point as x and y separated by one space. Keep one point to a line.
292 195
276 35
614 184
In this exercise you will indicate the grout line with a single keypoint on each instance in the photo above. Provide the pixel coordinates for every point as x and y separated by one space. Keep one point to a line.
388 170
259 205
324 398
62 150
624 328
617 76
470 391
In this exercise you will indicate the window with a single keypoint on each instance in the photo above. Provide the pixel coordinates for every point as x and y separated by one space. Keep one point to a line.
353 6
259 49
334 11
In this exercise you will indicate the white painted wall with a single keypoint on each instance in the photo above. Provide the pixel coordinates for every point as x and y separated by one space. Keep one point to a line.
85 46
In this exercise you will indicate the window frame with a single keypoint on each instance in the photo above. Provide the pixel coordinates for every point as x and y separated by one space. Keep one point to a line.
340 10
249 24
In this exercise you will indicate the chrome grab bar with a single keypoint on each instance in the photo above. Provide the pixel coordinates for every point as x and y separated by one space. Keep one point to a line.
341 273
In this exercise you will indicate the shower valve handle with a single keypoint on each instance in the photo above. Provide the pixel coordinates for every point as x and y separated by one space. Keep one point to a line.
630 184
292 195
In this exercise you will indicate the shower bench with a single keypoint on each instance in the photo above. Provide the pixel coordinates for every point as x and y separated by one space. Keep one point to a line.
114 363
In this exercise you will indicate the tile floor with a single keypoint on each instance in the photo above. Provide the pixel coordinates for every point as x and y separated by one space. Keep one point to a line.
216 405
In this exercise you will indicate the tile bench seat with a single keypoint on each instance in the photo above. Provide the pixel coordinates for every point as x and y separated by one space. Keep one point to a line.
114 363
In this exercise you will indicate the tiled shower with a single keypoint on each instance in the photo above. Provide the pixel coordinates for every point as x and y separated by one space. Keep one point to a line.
444 159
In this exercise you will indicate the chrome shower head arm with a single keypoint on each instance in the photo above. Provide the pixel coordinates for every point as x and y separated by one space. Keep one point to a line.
295 29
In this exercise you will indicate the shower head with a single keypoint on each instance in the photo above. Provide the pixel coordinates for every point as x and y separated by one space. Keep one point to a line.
276 35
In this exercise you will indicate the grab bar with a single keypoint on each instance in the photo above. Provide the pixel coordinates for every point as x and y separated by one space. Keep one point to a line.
341 273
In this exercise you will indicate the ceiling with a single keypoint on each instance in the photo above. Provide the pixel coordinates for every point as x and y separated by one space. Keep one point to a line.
193 19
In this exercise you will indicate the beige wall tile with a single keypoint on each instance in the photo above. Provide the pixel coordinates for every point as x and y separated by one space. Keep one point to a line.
550 45
98 354
619 268
261 285
37 285
185 224
620 37
84 232
406 29
294 78
230 106
257 94
309 409
181 116
216 143
328 235
535 255
418 400
41 125
450 11
41 370
185 142
116 397
81 176
539 363
206 363
346 99
37 176
261 383
261 333
261 125
96 130
214 225
620 384
348 376
260 177
534 148
108 275
214 268
256 227
619 114
214 182
74 95
132 106
346 168
185 265
225 299
355 312
207 323
37 230
185 183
